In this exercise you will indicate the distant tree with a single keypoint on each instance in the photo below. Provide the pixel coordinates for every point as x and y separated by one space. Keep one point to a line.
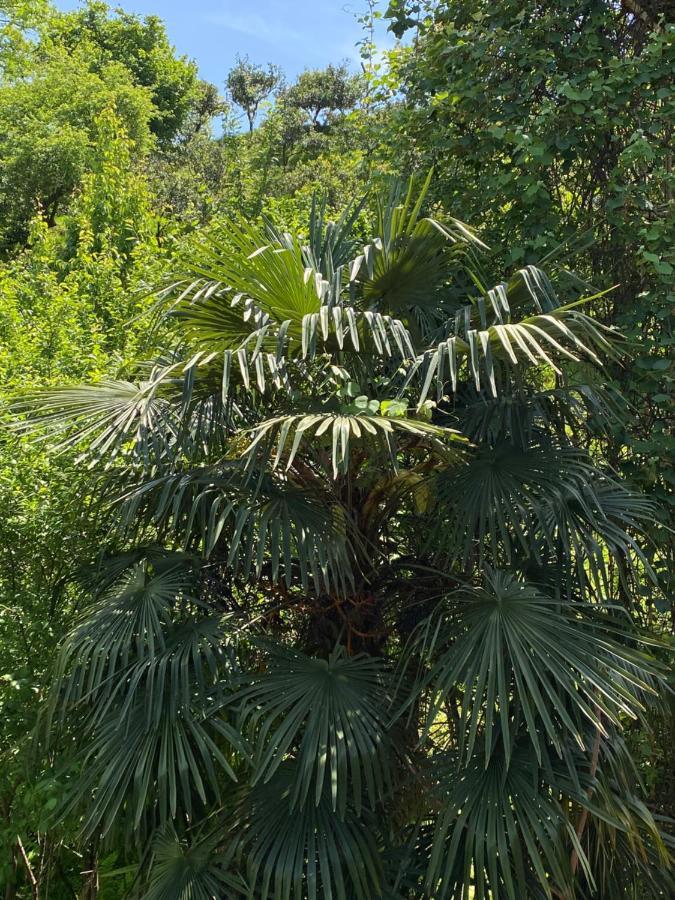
249 84
22 13
16 16
59 72
288 125
47 132
326 90
142 46
207 105
192 181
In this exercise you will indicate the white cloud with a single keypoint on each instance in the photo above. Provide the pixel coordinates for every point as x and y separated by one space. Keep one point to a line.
254 25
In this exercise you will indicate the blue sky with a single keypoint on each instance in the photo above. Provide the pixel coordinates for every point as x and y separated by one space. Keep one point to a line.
296 35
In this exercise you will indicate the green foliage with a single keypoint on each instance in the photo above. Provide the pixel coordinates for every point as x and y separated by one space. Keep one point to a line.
249 84
49 134
356 588
562 114
324 91
142 48
65 305
16 16
59 76
356 602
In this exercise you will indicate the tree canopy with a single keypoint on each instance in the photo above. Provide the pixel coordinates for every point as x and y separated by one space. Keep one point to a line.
249 84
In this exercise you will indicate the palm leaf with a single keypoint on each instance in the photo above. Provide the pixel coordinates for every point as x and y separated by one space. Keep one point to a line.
625 846
289 431
413 255
330 715
501 831
252 520
538 340
517 651
540 501
250 262
190 871
308 852
108 414
137 677
330 245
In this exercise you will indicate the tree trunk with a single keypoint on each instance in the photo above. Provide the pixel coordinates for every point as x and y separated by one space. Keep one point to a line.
89 889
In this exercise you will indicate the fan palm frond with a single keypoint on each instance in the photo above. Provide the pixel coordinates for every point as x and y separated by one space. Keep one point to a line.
536 340
107 414
542 500
196 870
140 770
287 432
623 841
562 661
219 321
522 418
255 521
333 711
330 245
248 260
413 255
146 423
308 852
500 832
138 675
128 623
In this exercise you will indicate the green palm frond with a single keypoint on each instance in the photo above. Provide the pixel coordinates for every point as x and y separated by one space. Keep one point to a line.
538 502
128 623
137 675
248 260
562 661
145 423
330 715
367 331
500 831
140 769
212 317
522 417
413 255
308 852
536 340
330 245
221 321
107 414
256 522
623 841
529 287
286 433
195 870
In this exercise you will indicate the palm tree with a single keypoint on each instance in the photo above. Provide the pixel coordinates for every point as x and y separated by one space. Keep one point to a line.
366 628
